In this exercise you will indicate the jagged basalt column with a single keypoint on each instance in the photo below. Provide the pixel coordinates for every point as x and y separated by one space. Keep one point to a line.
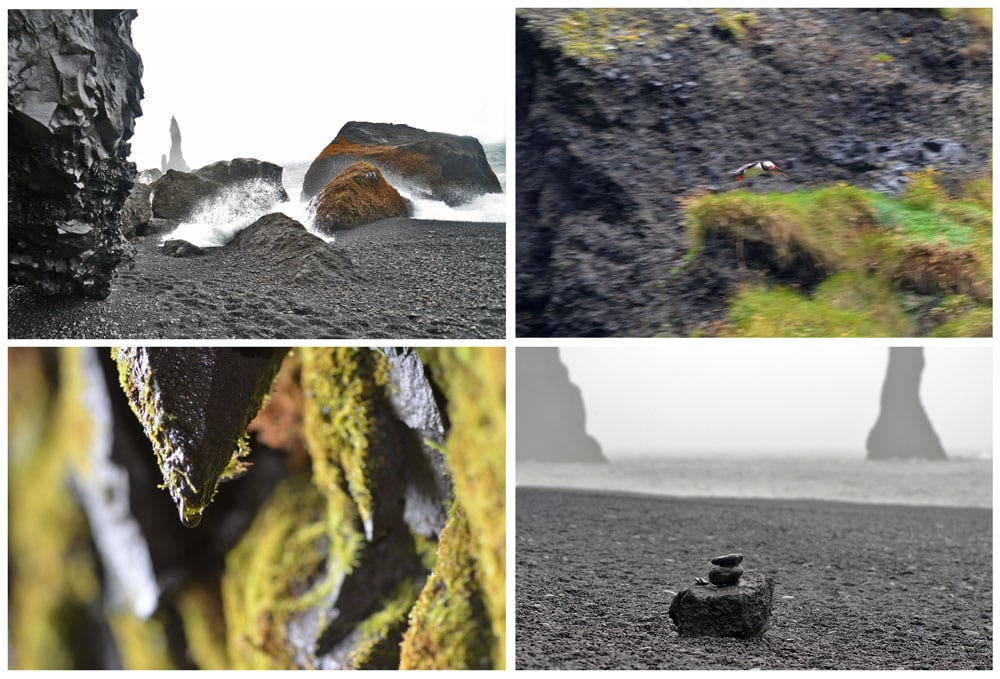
73 92
551 421
903 430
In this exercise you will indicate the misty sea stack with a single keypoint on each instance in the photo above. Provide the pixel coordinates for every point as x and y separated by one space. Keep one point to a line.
552 421
446 167
903 430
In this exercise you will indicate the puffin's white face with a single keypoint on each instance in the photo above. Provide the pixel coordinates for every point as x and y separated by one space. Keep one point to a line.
767 165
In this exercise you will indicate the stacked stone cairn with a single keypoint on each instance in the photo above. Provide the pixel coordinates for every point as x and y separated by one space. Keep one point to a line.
730 603
726 570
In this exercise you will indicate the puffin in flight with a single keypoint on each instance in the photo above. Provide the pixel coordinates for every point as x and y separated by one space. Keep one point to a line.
758 167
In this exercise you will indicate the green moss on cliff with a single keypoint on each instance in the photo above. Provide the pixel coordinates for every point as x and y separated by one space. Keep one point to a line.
286 563
342 387
474 383
449 626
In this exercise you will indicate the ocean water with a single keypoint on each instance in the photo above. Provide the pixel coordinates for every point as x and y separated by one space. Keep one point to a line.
235 209
955 483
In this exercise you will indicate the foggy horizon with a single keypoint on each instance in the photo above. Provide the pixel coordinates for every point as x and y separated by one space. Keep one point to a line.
778 402
278 86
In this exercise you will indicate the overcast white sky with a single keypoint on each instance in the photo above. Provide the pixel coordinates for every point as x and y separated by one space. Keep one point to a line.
278 84
775 398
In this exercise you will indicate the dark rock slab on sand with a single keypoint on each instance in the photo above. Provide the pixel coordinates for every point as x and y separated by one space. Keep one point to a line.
742 610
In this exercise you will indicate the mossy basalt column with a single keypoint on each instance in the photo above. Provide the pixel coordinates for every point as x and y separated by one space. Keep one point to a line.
195 404
903 430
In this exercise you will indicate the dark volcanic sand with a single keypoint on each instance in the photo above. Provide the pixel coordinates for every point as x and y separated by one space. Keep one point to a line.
411 279
872 586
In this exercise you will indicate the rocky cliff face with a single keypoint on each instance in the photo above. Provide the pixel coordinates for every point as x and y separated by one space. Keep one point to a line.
903 430
73 95
551 421
622 112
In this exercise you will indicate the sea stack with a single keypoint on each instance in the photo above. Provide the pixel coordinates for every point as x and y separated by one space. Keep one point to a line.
903 430
176 159
551 420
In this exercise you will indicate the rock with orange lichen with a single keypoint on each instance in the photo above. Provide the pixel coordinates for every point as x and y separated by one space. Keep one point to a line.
358 195
442 166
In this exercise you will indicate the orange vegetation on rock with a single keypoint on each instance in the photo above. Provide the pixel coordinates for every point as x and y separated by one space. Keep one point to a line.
358 195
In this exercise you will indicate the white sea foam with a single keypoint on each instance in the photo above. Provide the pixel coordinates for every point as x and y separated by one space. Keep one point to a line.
236 207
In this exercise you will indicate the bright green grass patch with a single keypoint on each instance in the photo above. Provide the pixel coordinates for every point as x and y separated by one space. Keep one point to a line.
845 305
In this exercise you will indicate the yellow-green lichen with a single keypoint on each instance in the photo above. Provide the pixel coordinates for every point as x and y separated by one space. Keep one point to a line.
200 608
449 626
381 632
343 387
287 562
142 644
474 383
52 571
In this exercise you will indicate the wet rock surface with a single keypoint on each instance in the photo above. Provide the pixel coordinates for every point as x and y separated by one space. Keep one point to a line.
446 167
847 594
178 195
72 98
194 405
137 212
669 105
241 170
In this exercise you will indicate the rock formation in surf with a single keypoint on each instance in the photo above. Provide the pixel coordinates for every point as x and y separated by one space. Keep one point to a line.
177 195
551 420
903 430
358 195
442 166
176 159
73 92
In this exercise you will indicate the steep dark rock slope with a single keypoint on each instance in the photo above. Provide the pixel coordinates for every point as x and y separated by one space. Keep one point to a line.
73 91
622 112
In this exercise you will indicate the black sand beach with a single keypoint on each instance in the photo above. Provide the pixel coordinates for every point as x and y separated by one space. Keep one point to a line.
856 586
405 278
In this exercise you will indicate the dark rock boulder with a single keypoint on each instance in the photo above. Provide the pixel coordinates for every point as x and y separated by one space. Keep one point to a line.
240 170
176 159
73 92
446 167
137 212
551 420
177 247
358 195
903 430
176 194
742 610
